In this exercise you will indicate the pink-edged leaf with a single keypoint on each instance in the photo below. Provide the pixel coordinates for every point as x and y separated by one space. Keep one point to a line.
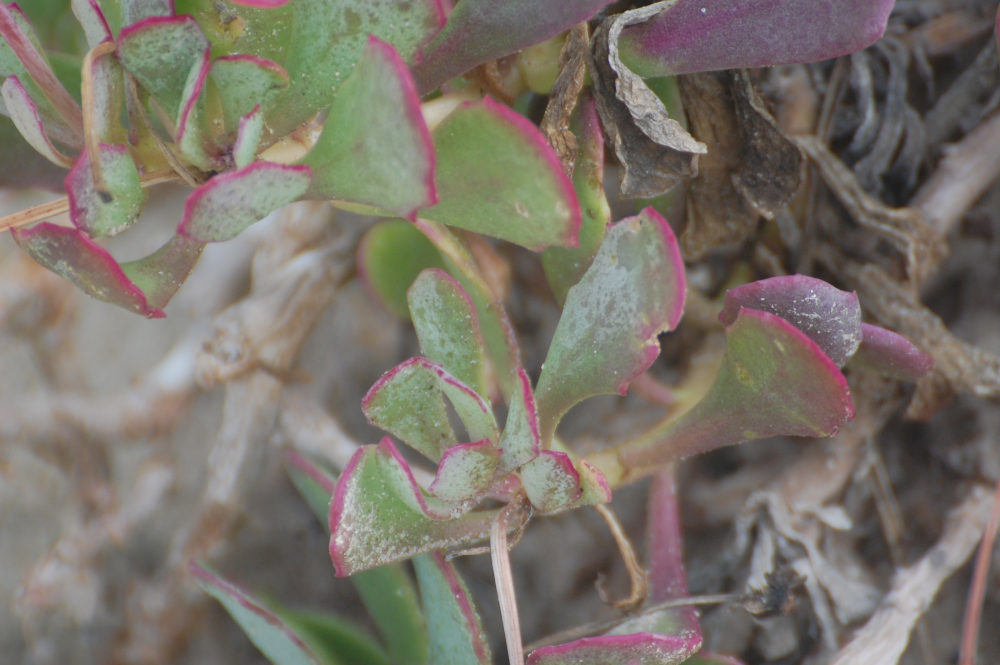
116 206
564 266
91 17
326 39
20 55
261 4
379 515
774 381
244 82
391 169
521 440
408 402
248 137
107 93
607 334
191 134
482 30
497 175
447 326
229 203
390 256
160 274
160 52
828 316
465 471
455 629
551 481
700 35
266 630
890 353
70 253
134 11
26 117
634 649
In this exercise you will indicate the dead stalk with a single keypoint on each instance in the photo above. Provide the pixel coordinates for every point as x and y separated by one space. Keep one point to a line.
505 589
640 584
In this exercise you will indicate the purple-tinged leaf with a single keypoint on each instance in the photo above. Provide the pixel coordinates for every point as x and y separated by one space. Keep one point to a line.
551 481
498 176
248 138
702 35
160 274
266 630
447 326
380 515
521 440
828 316
160 52
70 253
408 402
465 471
261 4
328 37
245 82
392 169
26 117
91 17
607 334
229 203
20 55
564 266
635 649
334 640
482 30
134 11
456 631
191 135
890 353
774 381
390 256
109 209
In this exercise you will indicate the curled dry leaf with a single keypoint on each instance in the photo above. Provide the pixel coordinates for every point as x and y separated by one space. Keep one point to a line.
751 169
655 151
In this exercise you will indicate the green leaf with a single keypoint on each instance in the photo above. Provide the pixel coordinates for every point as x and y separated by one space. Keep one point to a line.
375 148
634 649
466 472
391 255
332 639
275 638
229 203
607 334
116 206
248 138
456 631
498 176
447 326
521 440
244 81
160 274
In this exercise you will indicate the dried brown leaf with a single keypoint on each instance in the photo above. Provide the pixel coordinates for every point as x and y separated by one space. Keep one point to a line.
565 94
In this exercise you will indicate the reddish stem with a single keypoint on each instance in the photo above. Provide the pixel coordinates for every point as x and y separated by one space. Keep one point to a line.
977 591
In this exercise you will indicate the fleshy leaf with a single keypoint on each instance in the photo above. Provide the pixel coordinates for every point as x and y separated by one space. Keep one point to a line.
134 11
262 4
391 169
248 138
774 381
334 640
828 316
326 39
266 630
160 274
229 203
27 118
456 631
521 440
391 255
107 96
465 471
116 206
482 30
245 81
72 254
380 515
551 481
498 176
407 401
160 53
387 592
447 326
564 266
90 16
695 35
607 334
635 649
191 135
890 353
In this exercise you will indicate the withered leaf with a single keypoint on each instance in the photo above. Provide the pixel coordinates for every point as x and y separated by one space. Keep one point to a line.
655 151
751 169
565 94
